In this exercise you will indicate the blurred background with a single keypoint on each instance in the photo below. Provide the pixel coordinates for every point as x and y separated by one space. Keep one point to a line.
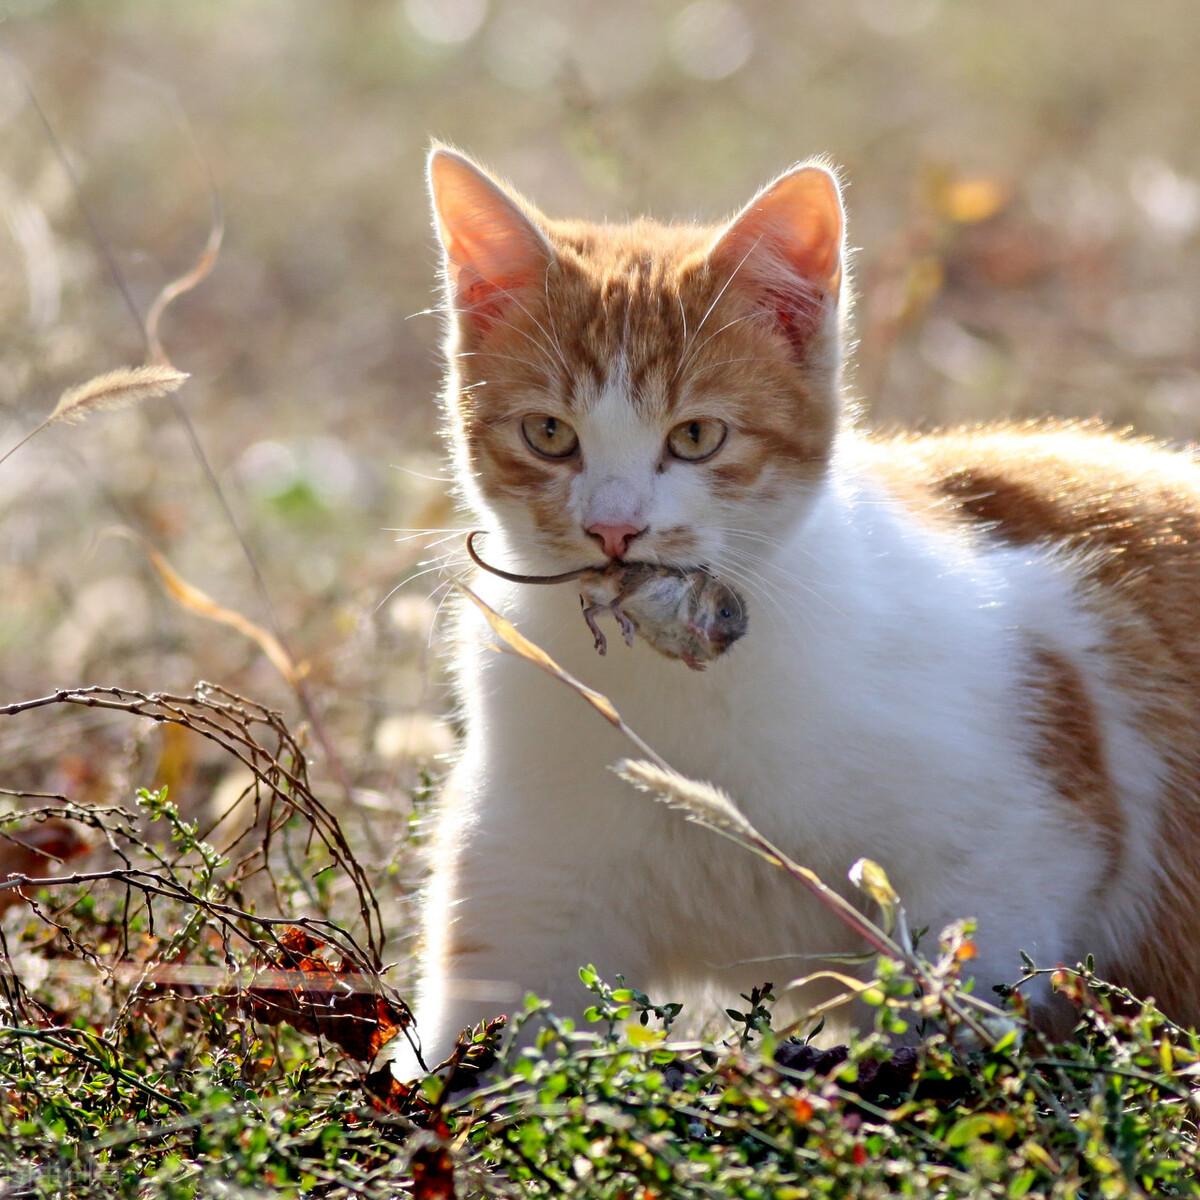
1024 188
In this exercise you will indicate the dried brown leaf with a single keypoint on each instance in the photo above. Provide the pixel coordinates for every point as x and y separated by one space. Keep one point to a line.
193 599
516 641
32 849
186 282
328 999
189 596
432 1169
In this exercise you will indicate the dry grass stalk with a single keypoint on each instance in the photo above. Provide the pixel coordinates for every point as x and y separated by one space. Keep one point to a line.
156 354
701 802
258 738
122 388
515 642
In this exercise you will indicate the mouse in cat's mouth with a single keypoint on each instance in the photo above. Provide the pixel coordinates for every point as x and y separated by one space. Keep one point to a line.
683 613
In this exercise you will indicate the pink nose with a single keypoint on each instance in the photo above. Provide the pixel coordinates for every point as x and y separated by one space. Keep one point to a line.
615 538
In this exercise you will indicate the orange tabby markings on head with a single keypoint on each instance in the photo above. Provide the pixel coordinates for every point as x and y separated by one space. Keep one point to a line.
702 317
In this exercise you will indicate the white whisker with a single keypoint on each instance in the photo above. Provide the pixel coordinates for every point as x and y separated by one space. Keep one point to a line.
725 362
755 586
420 475
686 357
790 577
447 591
754 316
440 563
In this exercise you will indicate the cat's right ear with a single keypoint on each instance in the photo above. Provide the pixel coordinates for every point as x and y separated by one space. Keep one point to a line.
492 248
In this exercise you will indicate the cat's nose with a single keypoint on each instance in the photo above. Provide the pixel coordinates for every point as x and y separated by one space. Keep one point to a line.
615 538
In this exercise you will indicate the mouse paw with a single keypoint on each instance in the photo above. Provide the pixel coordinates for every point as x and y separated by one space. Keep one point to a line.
628 628
589 615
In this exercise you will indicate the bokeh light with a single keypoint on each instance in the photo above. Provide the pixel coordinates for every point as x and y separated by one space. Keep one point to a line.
446 22
711 39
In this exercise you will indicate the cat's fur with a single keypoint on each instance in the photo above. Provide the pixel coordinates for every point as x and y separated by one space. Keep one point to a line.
975 656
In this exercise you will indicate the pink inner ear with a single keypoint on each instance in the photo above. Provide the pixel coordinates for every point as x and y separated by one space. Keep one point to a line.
798 318
786 250
492 248
482 299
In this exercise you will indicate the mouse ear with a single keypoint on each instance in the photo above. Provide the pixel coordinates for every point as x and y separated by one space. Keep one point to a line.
786 250
491 242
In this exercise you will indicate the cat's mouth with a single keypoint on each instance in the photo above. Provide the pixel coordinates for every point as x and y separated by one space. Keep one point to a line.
613 566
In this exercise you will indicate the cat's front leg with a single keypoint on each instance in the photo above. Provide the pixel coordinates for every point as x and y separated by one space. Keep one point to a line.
512 908
492 951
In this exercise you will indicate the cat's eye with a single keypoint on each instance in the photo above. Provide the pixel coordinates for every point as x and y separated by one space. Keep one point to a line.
696 440
551 437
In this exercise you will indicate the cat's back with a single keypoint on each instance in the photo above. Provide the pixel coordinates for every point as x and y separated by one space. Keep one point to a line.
1128 507
1124 513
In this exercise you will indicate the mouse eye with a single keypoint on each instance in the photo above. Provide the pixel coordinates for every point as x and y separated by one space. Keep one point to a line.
725 614
551 437
694 441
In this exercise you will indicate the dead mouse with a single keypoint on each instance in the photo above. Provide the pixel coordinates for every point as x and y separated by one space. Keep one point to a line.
682 613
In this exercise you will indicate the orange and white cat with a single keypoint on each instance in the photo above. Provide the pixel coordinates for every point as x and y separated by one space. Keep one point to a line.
974 656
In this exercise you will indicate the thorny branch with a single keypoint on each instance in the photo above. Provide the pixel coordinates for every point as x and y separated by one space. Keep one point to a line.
260 740
190 924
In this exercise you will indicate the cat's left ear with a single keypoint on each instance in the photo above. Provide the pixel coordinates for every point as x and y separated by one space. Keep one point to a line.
786 249
493 247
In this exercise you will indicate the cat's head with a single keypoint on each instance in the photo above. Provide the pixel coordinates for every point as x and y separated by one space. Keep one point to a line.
669 393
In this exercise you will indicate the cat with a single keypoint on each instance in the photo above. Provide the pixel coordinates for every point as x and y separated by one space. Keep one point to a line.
974 654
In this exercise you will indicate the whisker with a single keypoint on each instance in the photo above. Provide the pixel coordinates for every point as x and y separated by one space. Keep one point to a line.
774 543
686 357
755 534
757 587
754 316
497 354
420 475
415 529
541 347
554 338
447 591
521 362
439 564
749 570
725 362
553 343
439 542
790 577
792 547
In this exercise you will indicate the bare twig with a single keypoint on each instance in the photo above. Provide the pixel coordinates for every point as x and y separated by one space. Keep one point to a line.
237 725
